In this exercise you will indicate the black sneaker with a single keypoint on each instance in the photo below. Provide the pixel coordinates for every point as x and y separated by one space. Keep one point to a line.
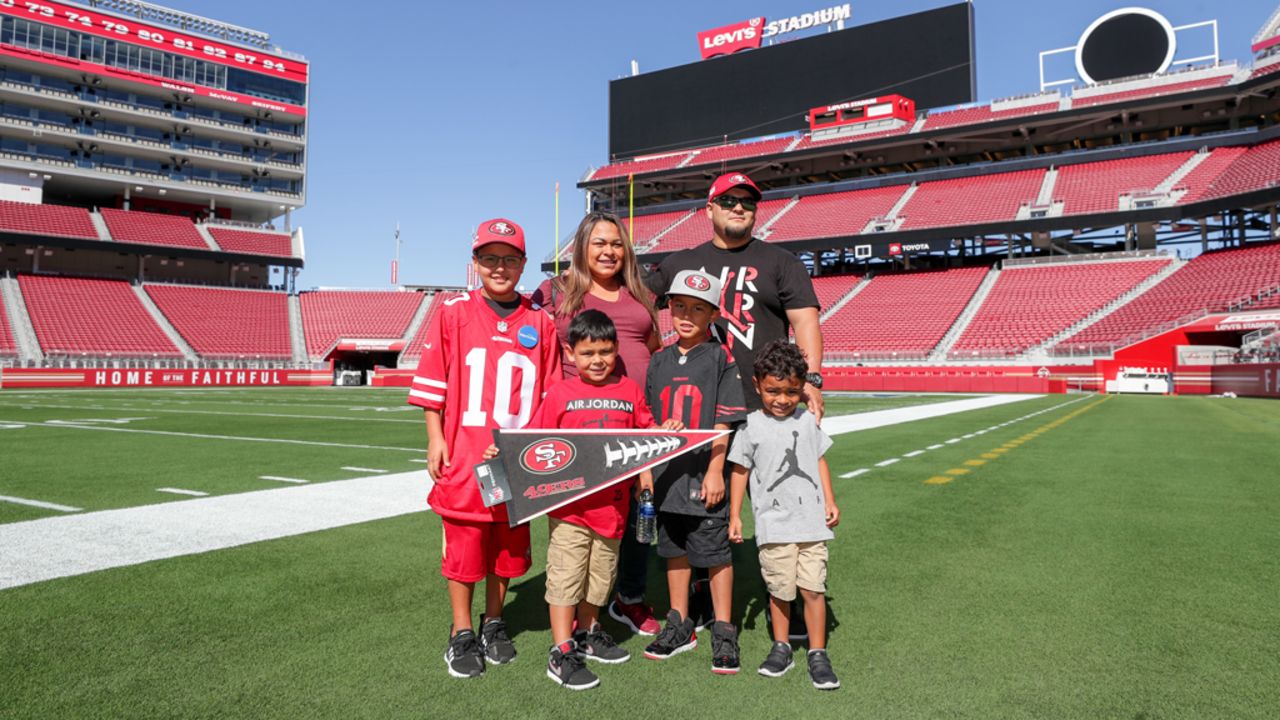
595 644
724 649
463 656
497 645
566 667
677 637
701 609
820 672
778 662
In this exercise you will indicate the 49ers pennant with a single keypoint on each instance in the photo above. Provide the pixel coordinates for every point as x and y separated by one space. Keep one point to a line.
537 471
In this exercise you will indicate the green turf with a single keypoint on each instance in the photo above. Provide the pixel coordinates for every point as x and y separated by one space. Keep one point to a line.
1122 564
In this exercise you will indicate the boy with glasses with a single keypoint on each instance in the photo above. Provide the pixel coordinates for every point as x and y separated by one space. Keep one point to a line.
487 362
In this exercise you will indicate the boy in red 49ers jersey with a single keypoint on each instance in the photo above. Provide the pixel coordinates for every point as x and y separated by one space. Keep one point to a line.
488 360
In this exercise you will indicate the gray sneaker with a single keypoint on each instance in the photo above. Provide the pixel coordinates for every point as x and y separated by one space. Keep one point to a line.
678 636
497 645
463 657
724 648
778 662
820 671
596 644
566 667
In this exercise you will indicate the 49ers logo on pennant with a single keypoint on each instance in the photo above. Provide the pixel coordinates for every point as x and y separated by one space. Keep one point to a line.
501 228
697 282
547 456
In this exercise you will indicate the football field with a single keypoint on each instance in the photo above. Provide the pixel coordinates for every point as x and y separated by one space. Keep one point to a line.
1071 556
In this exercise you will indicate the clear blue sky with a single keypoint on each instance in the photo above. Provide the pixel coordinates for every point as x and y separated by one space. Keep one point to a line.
439 115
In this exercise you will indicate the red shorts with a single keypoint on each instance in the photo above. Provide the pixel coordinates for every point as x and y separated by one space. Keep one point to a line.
474 550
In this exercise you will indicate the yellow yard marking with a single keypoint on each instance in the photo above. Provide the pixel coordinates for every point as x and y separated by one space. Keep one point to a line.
995 453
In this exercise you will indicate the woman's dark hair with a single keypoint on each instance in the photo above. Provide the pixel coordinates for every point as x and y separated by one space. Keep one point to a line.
781 359
591 325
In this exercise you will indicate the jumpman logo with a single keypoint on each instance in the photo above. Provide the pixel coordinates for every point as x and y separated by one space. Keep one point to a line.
791 463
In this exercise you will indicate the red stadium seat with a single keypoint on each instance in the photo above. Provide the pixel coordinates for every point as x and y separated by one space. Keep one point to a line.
74 316
328 315
220 323
57 220
252 242
152 229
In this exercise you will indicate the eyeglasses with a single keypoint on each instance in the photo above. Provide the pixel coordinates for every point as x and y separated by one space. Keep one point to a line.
493 261
728 202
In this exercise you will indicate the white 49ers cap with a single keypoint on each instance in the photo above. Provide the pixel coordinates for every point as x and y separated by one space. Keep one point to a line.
695 283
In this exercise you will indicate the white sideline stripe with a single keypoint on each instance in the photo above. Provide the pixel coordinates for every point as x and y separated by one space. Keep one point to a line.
210 437
277 478
417 460
914 453
952 441
38 504
881 418
934 447
360 469
886 463
38 550
855 473
180 491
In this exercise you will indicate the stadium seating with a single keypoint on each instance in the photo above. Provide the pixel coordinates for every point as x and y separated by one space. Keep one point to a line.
831 288
1210 282
152 229
835 214
638 167
966 201
219 322
1029 304
808 142
252 242
697 229
414 347
1256 168
331 314
55 220
982 114
74 316
647 227
1265 70
1096 187
1149 91
902 315
1199 180
737 151
7 344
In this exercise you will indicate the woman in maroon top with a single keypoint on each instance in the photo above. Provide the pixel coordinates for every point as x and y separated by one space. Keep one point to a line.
604 275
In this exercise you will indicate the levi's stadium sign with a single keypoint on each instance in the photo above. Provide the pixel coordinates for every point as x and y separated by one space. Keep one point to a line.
748 33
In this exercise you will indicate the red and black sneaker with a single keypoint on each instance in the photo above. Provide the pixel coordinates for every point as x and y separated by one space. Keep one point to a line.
636 616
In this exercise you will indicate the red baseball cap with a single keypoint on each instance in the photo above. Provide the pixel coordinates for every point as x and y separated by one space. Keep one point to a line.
499 230
729 181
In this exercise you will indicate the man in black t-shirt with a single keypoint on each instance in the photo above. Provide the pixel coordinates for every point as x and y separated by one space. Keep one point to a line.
766 292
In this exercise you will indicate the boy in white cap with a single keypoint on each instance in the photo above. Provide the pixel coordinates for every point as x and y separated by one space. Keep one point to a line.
695 382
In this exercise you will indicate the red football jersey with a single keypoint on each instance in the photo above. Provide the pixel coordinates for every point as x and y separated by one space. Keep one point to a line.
482 372
573 404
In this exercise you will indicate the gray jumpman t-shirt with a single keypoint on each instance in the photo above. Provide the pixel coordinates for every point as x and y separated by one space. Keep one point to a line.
786 492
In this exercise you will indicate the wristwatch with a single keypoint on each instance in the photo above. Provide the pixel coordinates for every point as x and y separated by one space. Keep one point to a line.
814 379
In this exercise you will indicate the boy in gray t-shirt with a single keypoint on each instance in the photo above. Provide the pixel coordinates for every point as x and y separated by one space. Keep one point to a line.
780 450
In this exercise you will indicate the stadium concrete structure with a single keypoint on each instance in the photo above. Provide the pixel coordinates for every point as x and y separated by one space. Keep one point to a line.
1021 244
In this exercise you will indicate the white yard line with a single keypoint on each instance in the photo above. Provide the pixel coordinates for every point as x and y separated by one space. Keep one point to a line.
277 478
881 418
346 418
204 436
38 504
856 473
363 469
180 491
887 463
38 550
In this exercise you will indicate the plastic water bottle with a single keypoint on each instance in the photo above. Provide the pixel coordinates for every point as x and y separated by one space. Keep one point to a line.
646 520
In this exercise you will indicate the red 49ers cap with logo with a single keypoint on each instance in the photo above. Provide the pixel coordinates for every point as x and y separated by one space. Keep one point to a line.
695 283
729 181
499 230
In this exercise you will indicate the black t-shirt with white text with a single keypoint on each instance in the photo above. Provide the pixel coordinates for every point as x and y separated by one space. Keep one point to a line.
760 283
